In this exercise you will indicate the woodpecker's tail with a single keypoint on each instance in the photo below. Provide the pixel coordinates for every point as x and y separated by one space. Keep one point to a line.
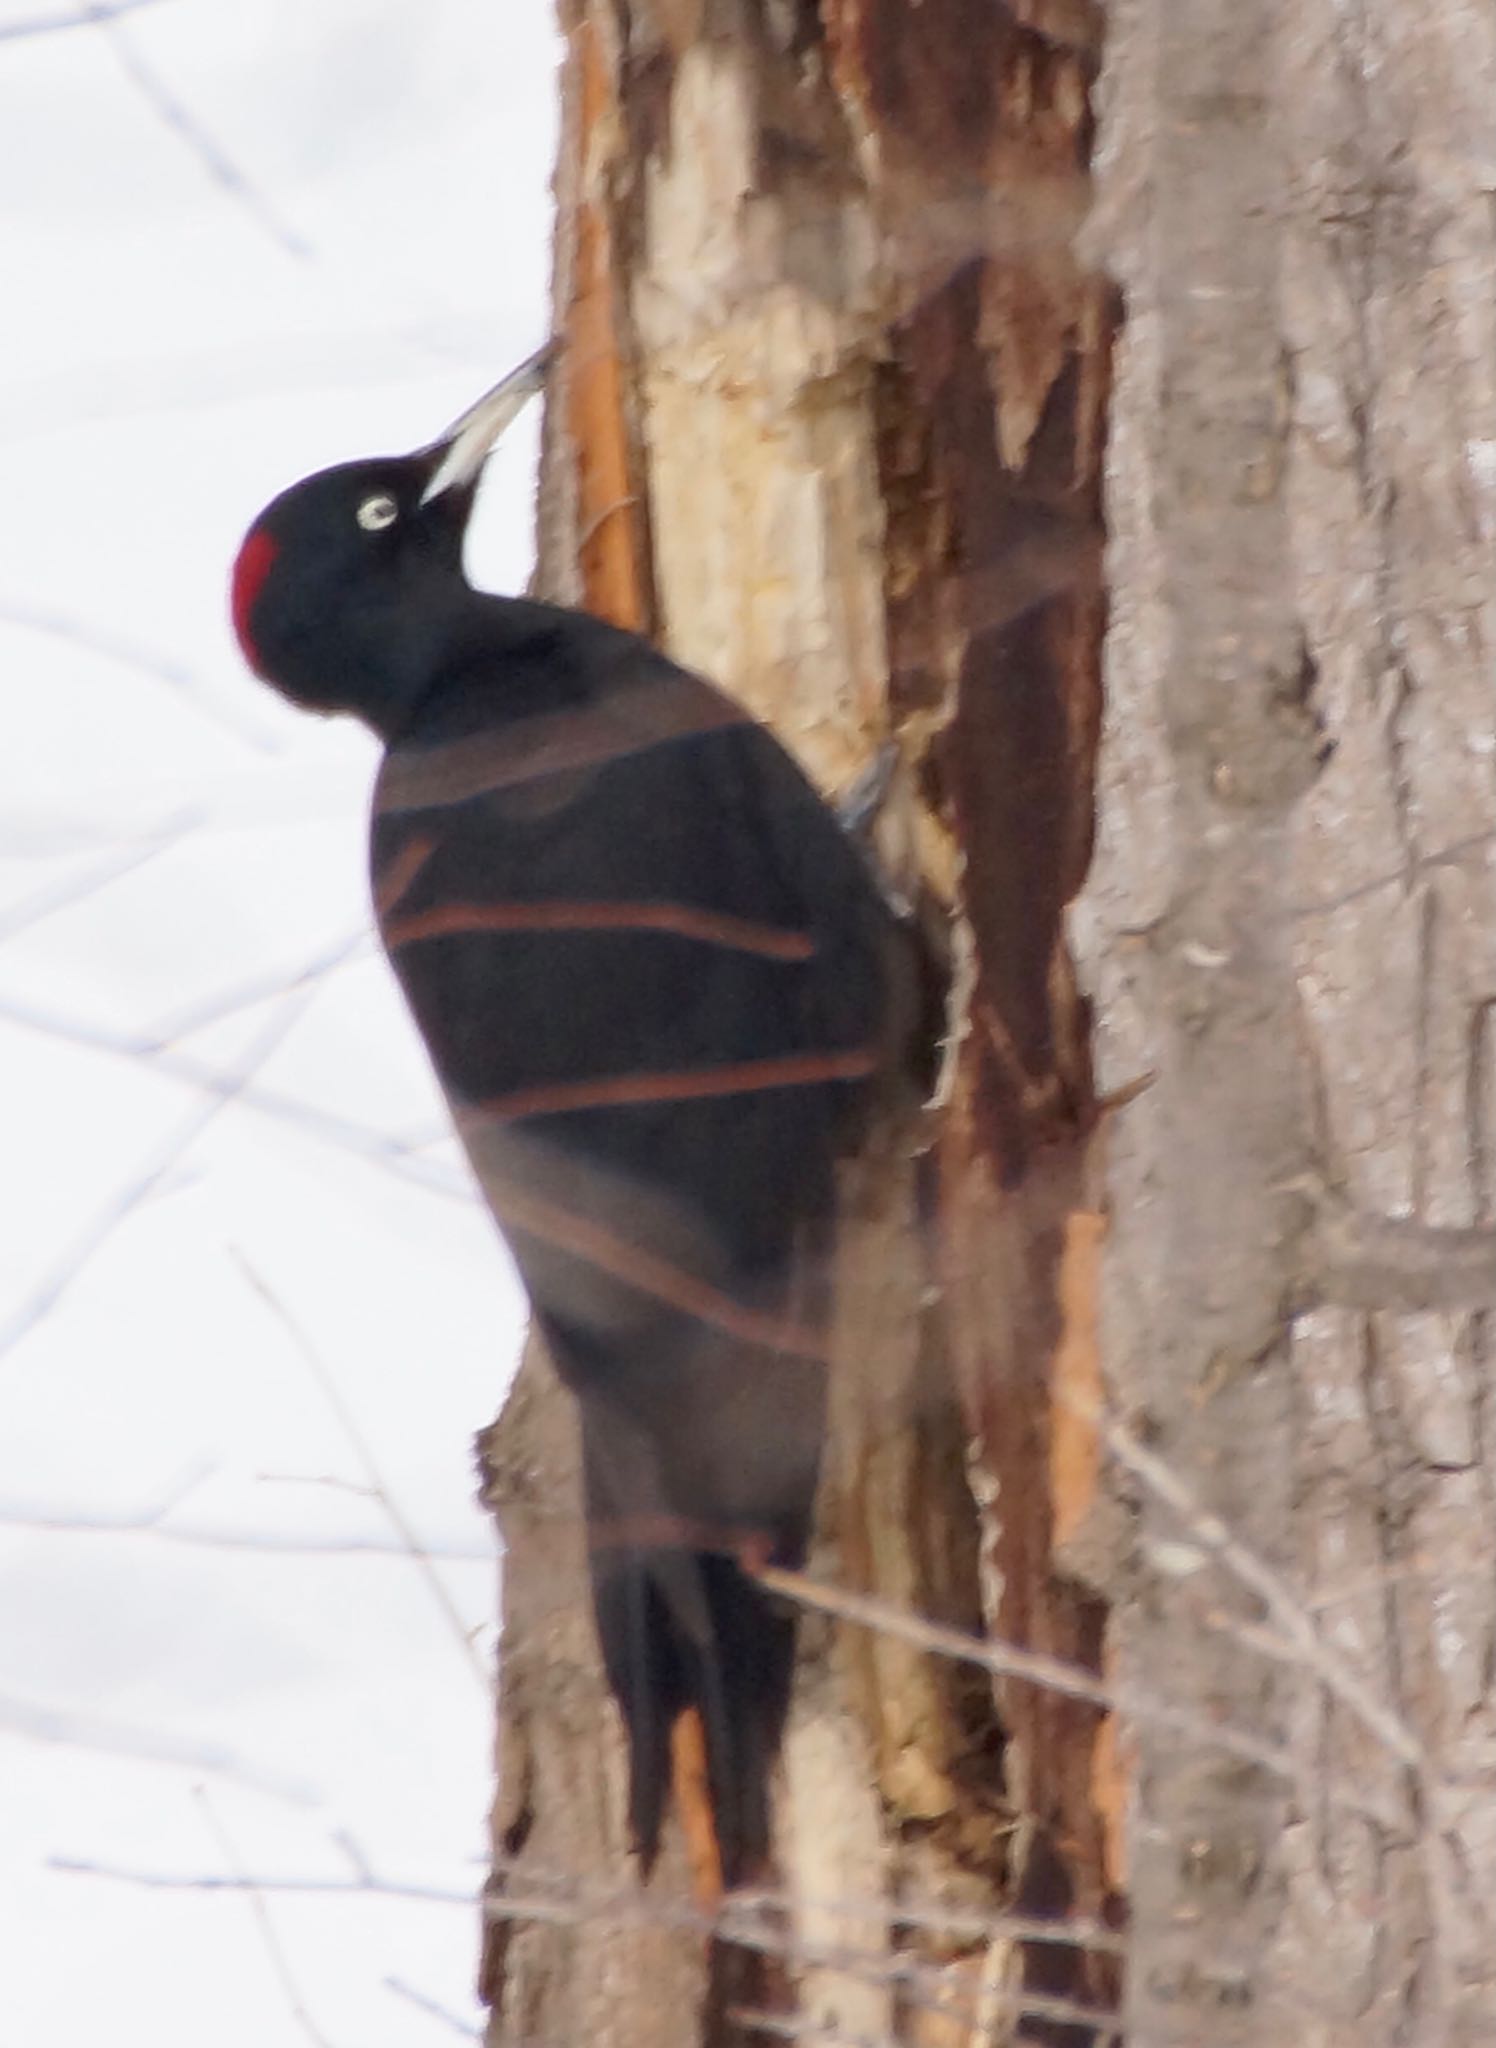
683 1629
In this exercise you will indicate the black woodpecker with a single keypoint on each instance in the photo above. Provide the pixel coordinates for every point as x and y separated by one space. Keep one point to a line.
658 984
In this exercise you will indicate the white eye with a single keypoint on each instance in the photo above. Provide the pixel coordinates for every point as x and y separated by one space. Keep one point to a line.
378 511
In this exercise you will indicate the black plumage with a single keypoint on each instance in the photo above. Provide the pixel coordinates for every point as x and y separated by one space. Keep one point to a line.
658 984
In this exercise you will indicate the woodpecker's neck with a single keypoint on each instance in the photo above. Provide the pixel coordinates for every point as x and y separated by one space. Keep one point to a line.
402 658
505 660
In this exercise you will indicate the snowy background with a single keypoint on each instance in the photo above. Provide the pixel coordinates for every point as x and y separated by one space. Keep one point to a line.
249 1312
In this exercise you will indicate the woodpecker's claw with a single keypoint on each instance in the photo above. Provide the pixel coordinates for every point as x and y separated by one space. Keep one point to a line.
860 812
858 807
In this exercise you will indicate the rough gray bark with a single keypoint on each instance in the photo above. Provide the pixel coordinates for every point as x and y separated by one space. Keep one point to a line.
1289 922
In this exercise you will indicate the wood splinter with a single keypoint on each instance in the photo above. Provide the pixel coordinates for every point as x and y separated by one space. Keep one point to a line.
693 1802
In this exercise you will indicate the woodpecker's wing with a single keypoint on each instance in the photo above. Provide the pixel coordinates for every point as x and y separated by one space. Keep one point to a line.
652 975
629 926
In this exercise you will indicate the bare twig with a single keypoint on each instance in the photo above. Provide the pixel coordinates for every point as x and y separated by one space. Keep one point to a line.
1337 1592
783 2026
146 661
931 1987
58 896
270 1940
753 1920
55 837
347 1844
76 1522
39 1722
49 24
1064 2012
935 1916
1031 1667
215 160
328 1480
419 1999
66 1270
345 951
337 1887
194 1073
414 1549
928 1986
1442 857
1005 1660
1291 1617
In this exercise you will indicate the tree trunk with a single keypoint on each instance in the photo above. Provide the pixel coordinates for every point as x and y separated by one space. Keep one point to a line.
830 427
1184 1390
1288 923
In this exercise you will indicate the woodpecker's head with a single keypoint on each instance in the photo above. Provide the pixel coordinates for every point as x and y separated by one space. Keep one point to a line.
346 588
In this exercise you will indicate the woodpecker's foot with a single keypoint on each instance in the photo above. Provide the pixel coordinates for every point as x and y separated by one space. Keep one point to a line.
858 807
880 833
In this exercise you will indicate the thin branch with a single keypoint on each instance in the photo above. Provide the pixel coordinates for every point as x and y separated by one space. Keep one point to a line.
346 951
66 1271
270 1940
1450 856
219 166
1292 1618
49 24
267 1542
145 661
66 895
70 1730
783 2026
1336 1592
1052 1674
305 1117
934 1916
1004 1660
347 1844
742 1918
929 1986
179 1488
58 838
332 1393
1063 2012
931 1916
330 1481
1442 857
422 2003
335 1887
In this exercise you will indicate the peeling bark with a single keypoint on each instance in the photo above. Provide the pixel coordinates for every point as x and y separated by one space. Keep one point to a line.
1117 1380
830 422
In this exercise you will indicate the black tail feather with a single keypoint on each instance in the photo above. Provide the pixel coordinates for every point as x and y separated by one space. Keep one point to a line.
689 1629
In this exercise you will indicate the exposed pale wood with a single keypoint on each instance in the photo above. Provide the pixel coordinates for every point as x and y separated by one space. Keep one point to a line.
831 424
